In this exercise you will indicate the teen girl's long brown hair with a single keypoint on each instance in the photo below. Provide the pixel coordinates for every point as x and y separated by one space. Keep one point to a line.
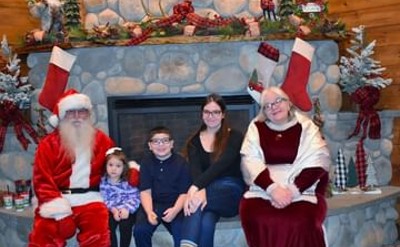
222 135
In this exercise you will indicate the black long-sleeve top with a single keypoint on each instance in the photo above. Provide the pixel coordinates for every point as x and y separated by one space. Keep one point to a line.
202 169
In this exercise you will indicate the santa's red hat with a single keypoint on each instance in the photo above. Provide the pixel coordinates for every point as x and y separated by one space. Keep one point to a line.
70 100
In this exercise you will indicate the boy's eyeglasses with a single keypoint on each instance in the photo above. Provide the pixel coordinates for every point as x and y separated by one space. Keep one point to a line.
160 141
212 113
277 102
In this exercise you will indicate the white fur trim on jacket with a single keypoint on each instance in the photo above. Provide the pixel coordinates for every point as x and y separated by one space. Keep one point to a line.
57 208
133 164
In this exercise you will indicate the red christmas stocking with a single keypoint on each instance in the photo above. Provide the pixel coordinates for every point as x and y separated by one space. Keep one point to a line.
295 84
57 77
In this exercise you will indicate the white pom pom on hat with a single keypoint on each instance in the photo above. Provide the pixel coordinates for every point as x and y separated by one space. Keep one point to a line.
70 100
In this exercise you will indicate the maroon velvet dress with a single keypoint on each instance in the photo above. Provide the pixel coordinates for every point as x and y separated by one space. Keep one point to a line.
300 223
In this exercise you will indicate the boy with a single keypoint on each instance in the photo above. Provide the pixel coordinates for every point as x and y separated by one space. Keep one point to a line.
164 180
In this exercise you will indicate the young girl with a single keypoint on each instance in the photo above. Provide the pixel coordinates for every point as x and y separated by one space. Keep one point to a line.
121 198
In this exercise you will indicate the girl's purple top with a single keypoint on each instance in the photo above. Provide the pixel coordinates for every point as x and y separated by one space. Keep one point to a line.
120 195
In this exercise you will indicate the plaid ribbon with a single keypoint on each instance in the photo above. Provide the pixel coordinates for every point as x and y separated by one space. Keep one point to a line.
367 97
9 113
168 21
368 120
183 8
197 20
182 11
340 171
268 51
361 164
204 22
137 40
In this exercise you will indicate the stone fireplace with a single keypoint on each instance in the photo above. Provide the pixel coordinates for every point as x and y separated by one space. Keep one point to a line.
146 85
130 118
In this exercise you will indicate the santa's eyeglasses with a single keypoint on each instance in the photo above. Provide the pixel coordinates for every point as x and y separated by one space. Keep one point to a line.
77 113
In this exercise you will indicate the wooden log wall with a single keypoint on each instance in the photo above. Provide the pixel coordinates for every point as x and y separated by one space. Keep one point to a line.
382 22
382 19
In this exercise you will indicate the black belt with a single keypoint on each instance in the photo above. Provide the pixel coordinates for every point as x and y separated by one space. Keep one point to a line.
79 190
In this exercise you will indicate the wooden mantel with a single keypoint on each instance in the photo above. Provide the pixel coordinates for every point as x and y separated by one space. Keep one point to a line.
178 39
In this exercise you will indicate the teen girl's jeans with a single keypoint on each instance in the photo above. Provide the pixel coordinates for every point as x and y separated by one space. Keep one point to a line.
223 197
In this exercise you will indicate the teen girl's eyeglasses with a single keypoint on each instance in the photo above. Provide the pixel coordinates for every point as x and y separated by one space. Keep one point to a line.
212 113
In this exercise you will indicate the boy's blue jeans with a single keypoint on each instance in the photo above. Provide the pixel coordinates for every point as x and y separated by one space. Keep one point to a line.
223 197
143 230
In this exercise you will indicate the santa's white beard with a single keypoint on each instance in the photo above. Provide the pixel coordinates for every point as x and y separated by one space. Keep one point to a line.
77 139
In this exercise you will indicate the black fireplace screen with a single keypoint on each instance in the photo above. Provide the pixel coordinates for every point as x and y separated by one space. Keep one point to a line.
131 117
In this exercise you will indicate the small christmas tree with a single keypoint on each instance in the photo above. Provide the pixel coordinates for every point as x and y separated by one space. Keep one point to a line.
360 69
286 8
72 18
372 181
352 180
340 172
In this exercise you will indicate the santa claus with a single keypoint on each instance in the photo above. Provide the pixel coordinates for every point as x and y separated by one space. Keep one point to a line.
68 166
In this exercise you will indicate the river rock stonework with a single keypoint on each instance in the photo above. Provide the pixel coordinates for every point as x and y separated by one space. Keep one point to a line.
198 69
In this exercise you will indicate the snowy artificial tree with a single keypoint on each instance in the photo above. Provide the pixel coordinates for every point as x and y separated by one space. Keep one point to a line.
15 97
361 77
13 87
372 181
360 69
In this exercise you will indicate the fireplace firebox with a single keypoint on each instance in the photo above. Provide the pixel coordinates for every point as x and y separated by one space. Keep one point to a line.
131 117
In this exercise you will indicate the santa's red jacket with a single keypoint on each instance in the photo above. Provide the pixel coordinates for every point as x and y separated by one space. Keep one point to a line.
54 171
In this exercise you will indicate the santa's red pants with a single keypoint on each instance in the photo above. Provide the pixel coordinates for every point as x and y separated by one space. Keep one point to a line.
91 220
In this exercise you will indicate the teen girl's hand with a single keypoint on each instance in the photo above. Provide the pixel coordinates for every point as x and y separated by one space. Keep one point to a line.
193 202
188 204
169 214
201 199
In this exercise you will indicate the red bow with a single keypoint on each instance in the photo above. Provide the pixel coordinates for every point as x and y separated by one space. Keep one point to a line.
10 113
367 97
